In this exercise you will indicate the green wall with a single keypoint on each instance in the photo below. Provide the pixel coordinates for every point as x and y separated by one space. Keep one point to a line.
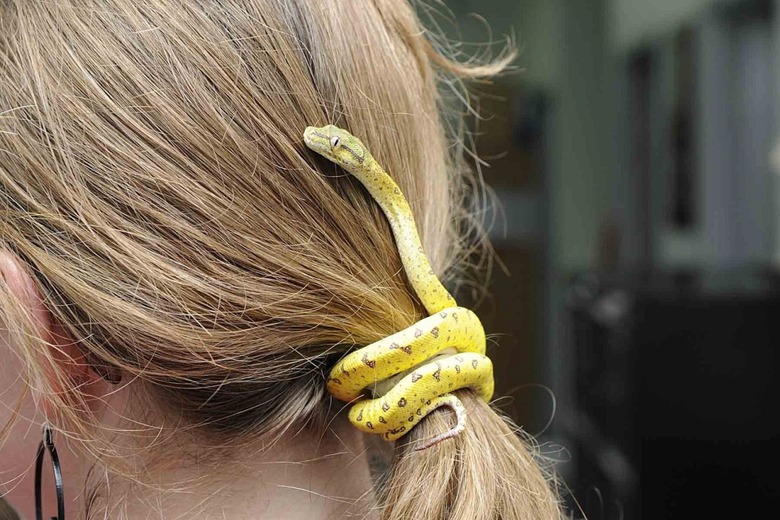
632 21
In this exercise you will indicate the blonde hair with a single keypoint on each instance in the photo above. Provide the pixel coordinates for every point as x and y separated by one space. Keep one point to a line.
153 178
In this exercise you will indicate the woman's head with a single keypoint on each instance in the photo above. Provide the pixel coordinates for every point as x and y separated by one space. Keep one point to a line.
154 182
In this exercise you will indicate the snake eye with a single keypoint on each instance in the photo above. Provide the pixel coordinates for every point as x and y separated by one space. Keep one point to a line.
334 141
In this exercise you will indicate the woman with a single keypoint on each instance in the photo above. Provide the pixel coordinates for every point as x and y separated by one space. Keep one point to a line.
181 273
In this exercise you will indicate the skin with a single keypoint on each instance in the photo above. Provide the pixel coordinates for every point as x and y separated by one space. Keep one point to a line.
302 477
18 449
426 361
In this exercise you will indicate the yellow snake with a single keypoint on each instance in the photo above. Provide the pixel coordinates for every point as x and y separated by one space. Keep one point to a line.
411 372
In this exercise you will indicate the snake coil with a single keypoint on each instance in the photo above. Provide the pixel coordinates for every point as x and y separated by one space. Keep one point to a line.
412 372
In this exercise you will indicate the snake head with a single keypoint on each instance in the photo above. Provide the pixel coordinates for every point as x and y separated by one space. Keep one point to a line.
337 145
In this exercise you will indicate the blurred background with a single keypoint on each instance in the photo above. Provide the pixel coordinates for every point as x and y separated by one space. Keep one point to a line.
637 314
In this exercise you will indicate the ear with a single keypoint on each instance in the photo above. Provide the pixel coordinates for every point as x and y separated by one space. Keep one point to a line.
64 354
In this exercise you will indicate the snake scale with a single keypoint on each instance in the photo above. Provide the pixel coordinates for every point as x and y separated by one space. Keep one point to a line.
412 372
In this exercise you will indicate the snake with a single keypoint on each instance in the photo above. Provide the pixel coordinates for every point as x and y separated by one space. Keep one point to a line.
396 381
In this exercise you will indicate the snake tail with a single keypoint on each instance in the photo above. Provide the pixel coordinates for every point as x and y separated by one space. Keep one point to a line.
460 416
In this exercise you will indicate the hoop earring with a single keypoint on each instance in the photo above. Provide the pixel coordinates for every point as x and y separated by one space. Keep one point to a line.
48 444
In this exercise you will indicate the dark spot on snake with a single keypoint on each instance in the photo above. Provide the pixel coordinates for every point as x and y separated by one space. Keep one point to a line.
443 314
382 420
407 349
437 374
369 425
411 418
457 369
419 411
360 416
459 358
474 363
416 377
396 191
385 407
435 332
402 402
417 333
394 346
369 362
336 380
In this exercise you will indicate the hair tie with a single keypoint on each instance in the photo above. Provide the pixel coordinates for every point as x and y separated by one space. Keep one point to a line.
414 371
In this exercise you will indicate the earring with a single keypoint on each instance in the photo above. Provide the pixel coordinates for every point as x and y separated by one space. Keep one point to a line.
47 444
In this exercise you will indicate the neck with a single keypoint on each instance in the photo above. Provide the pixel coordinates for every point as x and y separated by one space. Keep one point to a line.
300 478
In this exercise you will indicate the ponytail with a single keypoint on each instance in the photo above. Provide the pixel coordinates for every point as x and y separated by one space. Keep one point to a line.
488 472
